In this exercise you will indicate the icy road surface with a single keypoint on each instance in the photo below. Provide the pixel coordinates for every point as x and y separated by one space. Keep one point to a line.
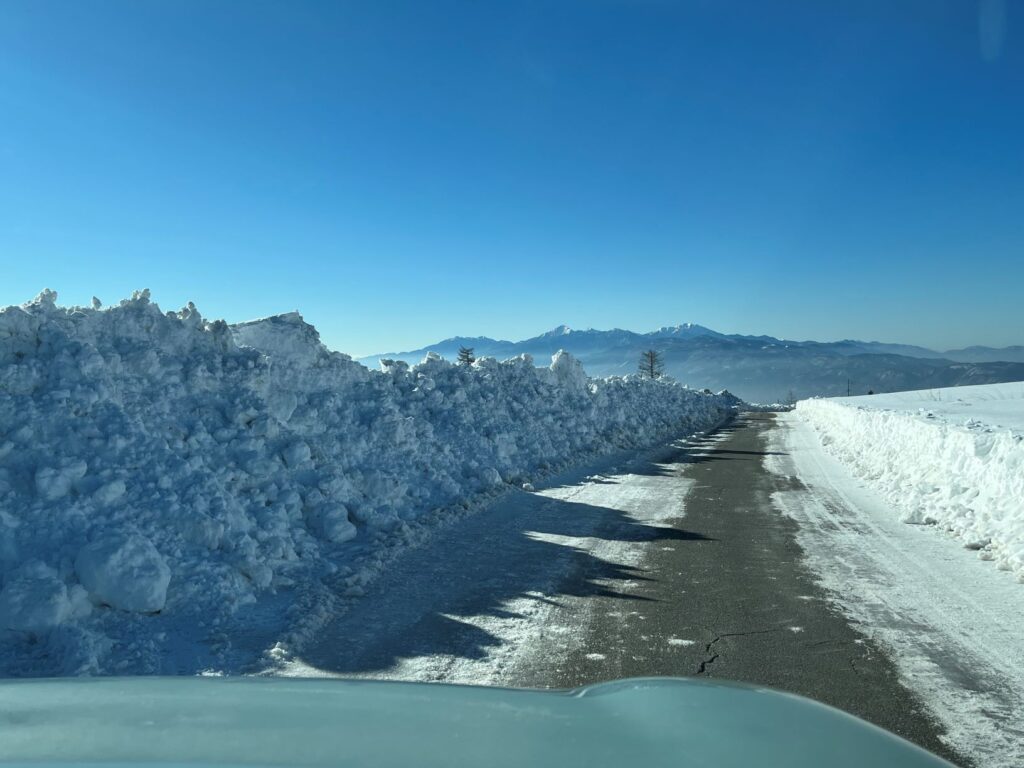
716 557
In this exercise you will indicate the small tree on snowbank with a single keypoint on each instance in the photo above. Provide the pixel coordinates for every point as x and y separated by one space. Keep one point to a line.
466 356
651 365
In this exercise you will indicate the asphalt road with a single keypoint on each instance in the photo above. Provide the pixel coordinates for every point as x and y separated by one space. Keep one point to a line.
672 564
742 594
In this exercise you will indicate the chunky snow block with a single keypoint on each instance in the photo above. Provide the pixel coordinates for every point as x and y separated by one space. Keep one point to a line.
35 599
124 572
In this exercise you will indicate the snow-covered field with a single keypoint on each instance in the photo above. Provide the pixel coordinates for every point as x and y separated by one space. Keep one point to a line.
953 458
179 494
986 405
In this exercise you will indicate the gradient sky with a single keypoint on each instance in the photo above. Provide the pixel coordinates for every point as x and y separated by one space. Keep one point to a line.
404 172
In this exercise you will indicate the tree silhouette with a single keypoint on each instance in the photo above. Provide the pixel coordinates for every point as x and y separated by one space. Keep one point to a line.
651 365
466 356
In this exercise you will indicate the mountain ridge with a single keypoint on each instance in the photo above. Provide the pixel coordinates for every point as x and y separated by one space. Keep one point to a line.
758 368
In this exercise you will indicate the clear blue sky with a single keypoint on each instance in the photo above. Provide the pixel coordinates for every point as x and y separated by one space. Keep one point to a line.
403 172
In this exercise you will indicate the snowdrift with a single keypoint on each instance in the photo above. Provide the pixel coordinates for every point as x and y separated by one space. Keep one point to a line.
949 457
159 472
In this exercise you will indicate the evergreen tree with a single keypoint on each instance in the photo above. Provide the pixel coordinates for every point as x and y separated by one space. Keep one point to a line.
651 364
466 356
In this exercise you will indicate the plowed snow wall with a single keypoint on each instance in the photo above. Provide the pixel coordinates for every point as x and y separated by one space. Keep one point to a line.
159 462
967 478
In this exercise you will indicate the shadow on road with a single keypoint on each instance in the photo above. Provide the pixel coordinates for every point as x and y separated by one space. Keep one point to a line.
526 547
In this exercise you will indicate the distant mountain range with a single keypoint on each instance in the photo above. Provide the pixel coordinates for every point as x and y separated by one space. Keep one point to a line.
757 368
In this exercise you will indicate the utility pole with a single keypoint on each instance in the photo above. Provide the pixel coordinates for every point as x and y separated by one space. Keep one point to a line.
847 387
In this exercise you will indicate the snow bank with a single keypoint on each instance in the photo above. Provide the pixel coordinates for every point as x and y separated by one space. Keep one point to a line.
948 457
161 474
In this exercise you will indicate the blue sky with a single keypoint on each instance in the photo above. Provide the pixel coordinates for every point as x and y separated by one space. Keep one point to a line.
404 172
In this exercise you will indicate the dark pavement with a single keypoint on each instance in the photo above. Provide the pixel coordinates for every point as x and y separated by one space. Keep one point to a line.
741 595
676 563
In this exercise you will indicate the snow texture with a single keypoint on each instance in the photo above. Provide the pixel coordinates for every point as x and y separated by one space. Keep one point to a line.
124 572
951 457
162 475
953 629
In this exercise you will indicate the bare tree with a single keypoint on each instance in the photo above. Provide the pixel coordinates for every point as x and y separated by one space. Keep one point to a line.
466 356
651 365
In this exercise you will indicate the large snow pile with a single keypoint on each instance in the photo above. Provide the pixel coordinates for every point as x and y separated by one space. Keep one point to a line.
949 457
161 474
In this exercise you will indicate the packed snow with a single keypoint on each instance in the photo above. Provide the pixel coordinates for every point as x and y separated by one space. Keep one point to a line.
167 481
952 627
952 457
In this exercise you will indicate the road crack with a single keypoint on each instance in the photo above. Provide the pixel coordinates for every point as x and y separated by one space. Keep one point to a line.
702 669
712 657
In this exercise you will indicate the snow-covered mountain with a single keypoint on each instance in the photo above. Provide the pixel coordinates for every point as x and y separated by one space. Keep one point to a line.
757 368
684 331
